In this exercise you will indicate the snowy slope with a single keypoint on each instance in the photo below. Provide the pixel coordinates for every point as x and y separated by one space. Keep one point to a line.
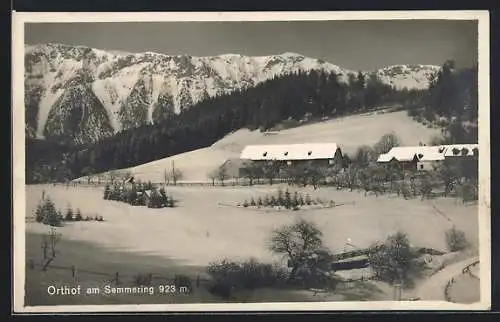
129 86
348 132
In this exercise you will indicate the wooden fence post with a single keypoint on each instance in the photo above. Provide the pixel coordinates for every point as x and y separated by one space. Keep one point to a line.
117 280
73 272
198 281
44 249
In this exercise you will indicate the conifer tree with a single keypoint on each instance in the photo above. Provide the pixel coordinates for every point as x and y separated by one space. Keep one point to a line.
273 202
266 201
163 198
60 217
39 212
295 200
308 200
69 214
171 202
155 199
260 202
132 195
107 192
50 216
301 200
280 200
288 200
78 215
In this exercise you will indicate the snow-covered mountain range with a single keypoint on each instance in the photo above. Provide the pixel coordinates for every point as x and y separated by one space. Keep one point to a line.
87 93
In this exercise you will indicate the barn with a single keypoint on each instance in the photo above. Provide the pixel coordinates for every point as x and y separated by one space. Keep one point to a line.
356 262
404 157
320 154
421 158
425 158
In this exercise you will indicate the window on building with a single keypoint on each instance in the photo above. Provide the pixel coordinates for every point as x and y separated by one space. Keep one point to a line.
421 167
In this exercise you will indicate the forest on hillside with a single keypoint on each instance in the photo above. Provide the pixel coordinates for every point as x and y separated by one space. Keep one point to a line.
302 96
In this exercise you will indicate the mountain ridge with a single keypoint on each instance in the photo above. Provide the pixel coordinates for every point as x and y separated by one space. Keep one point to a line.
138 88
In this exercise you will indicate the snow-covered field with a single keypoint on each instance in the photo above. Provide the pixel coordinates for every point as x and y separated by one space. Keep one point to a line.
205 227
348 132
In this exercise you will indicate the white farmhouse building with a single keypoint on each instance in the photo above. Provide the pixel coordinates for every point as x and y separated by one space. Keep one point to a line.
424 158
327 154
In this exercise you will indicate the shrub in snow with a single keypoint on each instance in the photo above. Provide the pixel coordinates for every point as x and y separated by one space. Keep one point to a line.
69 214
301 200
107 192
455 240
39 213
295 200
287 202
228 276
78 215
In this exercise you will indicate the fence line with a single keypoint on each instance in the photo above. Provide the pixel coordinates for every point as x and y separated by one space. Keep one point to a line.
449 284
115 277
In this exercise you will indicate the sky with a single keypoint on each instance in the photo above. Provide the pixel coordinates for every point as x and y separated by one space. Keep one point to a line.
360 45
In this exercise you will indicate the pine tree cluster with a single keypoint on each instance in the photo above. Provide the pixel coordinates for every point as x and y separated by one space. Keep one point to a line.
47 214
282 199
138 194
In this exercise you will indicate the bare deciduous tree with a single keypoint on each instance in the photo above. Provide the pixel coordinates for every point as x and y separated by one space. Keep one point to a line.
394 260
271 171
222 174
251 171
386 143
298 242
212 175
173 176
364 156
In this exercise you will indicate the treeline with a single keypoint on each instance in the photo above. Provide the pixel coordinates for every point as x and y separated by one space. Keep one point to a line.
451 103
299 96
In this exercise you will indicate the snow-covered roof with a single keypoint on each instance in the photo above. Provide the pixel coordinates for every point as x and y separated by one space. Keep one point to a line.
305 151
409 153
430 153
457 150
427 153
399 153
385 157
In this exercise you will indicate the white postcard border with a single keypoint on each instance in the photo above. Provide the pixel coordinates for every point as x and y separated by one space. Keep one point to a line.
18 157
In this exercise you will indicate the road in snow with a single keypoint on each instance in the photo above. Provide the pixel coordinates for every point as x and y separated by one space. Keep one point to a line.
433 288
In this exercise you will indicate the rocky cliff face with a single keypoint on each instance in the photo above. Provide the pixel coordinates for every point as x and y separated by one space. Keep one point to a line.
83 94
